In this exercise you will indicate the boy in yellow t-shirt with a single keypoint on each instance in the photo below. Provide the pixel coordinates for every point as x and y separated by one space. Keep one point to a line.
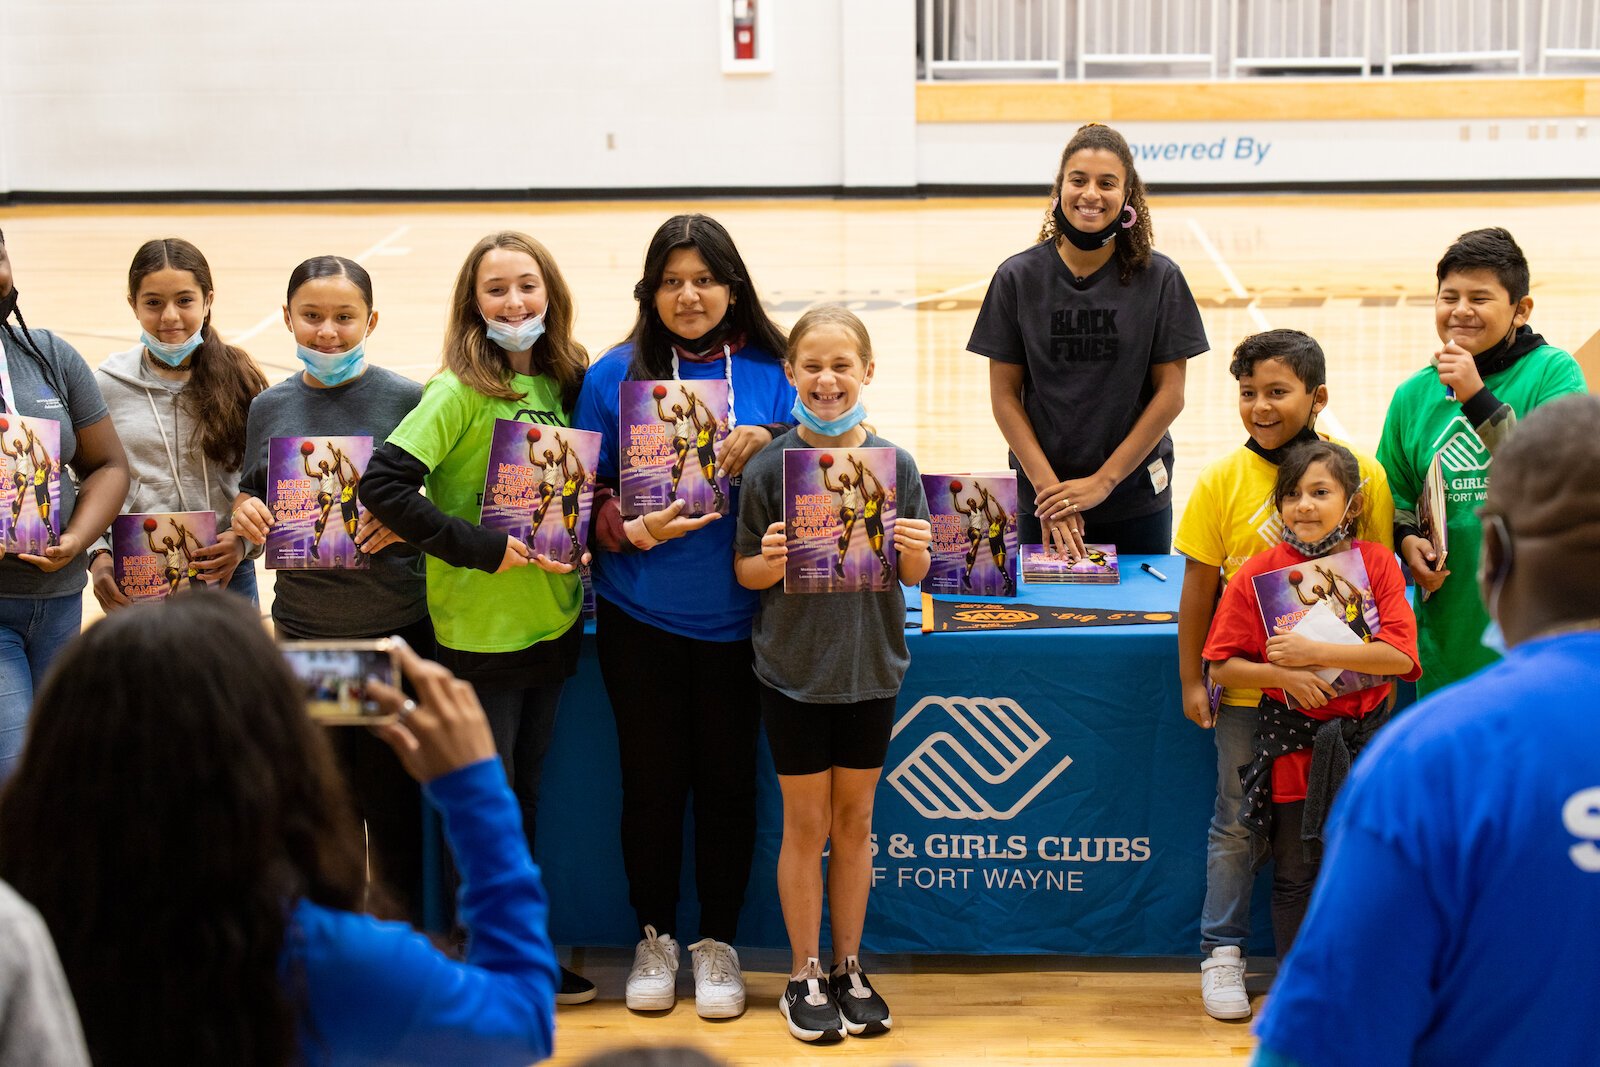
1230 517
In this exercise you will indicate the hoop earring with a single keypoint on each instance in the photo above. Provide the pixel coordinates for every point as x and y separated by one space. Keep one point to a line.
1129 216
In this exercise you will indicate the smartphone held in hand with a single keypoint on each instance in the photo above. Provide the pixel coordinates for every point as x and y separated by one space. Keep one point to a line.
336 675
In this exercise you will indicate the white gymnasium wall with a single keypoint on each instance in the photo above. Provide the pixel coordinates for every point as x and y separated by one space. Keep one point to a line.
283 95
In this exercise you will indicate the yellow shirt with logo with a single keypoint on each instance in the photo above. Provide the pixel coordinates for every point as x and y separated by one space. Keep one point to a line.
1230 517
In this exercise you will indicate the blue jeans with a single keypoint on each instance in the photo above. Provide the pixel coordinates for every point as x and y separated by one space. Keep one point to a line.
1230 850
32 632
243 582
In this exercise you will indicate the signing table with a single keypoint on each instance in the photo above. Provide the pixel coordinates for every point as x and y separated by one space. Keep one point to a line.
1043 793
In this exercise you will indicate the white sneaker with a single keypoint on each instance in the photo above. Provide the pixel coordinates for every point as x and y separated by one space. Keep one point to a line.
718 982
1222 984
653 982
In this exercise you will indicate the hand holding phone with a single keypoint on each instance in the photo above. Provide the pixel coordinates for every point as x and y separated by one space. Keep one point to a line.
337 677
444 730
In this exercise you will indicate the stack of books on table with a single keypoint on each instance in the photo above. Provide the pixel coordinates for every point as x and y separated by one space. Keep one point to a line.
1041 565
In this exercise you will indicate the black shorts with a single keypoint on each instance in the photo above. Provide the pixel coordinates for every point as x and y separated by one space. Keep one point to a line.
811 738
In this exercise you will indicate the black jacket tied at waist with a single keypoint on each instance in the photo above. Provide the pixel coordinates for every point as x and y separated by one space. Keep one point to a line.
1281 730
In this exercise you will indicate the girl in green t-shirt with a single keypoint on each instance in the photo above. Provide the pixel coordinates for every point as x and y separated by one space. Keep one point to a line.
506 619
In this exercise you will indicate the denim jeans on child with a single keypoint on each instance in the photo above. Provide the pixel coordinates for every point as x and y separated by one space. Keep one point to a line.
1230 848
31 633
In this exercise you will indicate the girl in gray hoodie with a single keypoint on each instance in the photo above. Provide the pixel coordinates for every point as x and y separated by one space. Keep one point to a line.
180 400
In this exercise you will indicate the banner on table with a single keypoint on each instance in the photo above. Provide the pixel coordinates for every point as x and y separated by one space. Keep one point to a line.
940 615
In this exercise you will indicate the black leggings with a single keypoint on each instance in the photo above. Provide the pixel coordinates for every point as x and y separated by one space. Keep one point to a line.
1293 874
687 721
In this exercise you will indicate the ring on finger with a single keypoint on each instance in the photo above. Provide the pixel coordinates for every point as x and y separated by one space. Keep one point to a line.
406 709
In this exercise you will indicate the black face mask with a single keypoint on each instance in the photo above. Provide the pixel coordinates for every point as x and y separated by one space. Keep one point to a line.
713 339
1497 358
8 304
1275 456
1086 242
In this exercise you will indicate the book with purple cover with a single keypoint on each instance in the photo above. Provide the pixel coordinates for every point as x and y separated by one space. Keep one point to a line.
1339 582
1042 565
839 509
667 445
974 520
152 553
30 510
539 486
313 492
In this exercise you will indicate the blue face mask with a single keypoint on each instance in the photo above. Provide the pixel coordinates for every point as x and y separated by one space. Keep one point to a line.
333 368
174 354
515 338
829 427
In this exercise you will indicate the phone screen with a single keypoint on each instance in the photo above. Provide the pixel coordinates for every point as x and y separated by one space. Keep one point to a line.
335 678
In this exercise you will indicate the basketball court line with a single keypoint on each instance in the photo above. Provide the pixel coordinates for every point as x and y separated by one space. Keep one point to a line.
1329 419
379 249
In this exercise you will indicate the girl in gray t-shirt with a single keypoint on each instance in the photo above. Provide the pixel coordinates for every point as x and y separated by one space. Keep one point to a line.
830 667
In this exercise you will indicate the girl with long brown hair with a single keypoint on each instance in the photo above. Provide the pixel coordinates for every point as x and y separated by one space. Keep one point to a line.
180 399
505 619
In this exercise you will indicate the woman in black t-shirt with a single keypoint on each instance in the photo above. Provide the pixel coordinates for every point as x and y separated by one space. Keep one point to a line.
1087 333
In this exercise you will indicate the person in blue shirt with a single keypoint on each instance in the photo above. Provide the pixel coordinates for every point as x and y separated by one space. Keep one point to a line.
206 901
672 626
1457 919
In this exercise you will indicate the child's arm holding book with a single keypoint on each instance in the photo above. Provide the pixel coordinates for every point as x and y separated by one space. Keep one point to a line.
1236 649
1302 684
912 541
1376 657
765 570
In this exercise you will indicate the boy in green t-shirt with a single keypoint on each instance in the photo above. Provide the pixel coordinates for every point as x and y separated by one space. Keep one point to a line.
1490 369
1230 517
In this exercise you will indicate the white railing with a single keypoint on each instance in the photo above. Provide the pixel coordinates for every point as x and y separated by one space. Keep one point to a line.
994 37
1454 33
1569 30
1301 34
1062 39
1147 33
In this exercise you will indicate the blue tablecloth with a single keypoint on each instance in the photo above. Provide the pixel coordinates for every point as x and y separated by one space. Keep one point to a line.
1043 793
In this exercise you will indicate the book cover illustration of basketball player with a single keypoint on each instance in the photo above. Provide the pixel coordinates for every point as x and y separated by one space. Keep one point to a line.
30 513
974 519
1043 565
667 446
839 506
539 487
314 494
152 553
1327 599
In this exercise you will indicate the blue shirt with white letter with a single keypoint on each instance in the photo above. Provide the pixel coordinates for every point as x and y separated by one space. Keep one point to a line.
1457 916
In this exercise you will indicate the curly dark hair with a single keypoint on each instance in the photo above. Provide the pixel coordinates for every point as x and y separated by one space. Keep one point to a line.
173 802
1133 245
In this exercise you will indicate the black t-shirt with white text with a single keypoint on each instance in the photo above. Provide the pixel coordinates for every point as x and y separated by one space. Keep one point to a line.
1087 349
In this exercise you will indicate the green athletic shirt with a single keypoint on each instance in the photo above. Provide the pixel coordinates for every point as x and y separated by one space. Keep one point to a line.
450 432
1422 421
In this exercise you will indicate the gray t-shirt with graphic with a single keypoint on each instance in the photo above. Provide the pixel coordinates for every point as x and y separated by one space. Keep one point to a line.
825 648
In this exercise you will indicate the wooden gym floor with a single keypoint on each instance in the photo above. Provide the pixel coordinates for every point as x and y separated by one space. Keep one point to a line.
1354 271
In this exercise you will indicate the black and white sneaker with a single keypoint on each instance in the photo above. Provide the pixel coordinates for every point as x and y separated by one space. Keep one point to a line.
863 1010
808 1007
575 988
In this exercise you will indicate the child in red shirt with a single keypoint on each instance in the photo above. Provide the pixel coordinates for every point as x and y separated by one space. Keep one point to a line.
1318 494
